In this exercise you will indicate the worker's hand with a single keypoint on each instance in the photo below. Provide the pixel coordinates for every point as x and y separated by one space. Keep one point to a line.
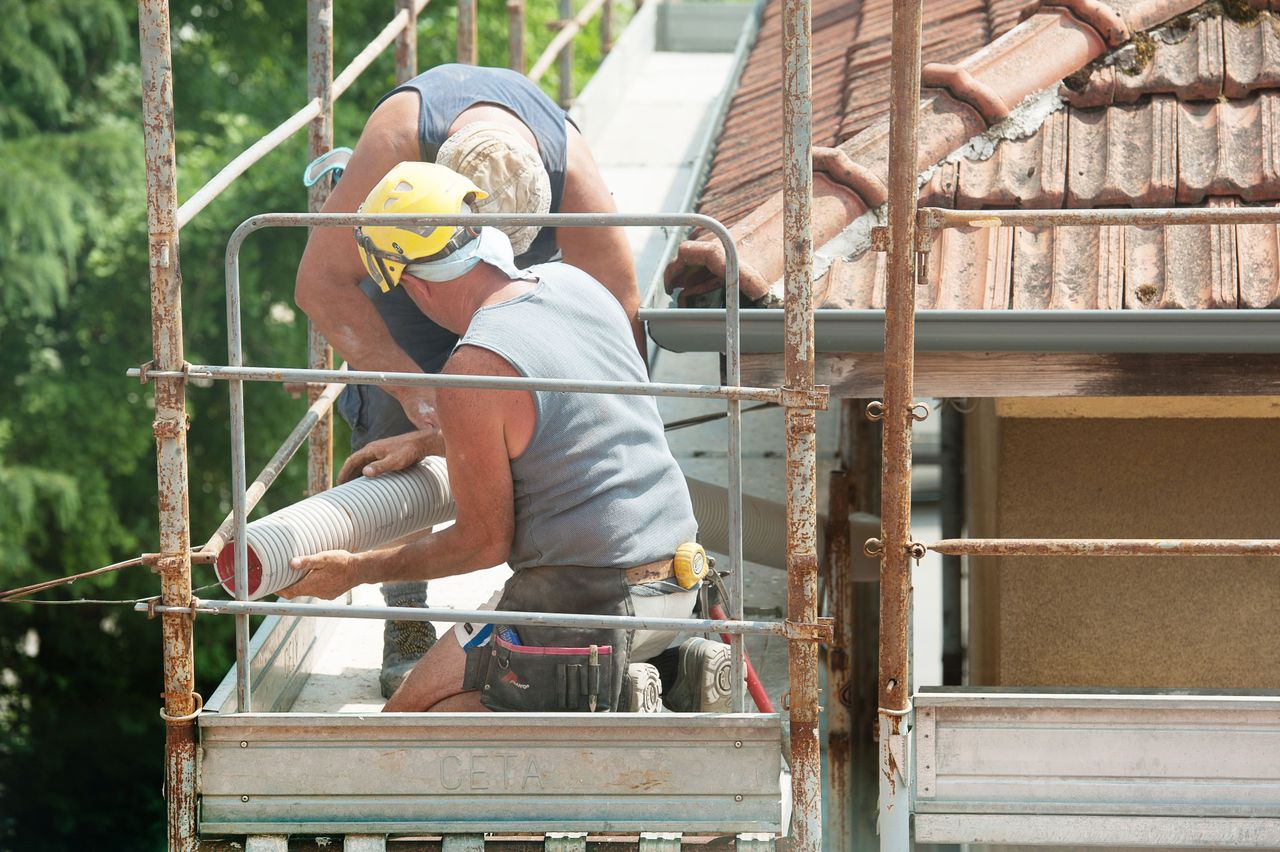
329 574
394 453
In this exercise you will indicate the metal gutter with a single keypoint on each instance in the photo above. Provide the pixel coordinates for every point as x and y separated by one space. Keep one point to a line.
1194 331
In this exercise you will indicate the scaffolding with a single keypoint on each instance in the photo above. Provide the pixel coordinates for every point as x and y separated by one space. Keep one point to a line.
910 724
170 371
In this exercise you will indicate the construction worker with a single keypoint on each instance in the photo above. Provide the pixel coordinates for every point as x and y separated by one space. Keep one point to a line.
514 142
578 493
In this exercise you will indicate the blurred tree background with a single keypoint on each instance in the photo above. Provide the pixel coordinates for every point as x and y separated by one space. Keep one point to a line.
81 744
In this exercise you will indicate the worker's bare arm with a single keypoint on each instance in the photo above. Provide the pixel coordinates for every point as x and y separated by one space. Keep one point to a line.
330 271
484 429
603 253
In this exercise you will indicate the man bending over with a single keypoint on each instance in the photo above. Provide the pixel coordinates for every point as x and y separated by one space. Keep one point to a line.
578 493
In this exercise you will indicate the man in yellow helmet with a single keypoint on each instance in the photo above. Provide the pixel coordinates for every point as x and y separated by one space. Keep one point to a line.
578 493
526 156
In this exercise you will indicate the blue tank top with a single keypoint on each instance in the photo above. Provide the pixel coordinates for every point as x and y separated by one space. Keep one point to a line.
446 91
597 486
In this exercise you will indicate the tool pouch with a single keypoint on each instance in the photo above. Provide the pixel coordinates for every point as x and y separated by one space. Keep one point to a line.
551 669
530 679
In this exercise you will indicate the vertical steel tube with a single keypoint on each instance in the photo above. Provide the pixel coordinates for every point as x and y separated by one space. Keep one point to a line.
239 500
320 140
733 372
170 425
407 43
467 32
895 508
802 512
606 28
515 35
566 57
952 527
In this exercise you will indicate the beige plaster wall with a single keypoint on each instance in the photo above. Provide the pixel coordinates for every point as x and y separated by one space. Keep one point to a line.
1197 622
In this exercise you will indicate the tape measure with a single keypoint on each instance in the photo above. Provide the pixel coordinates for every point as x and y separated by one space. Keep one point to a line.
690 564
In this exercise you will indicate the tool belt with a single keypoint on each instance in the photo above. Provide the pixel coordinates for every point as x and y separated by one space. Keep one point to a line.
556 669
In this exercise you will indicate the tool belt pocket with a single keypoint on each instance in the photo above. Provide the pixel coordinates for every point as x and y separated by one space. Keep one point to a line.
533 679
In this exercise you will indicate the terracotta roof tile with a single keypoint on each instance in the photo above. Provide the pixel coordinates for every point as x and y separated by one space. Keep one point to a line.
1252 55
1197 124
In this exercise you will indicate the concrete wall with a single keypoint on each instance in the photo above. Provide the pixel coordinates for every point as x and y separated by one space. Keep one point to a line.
1196 622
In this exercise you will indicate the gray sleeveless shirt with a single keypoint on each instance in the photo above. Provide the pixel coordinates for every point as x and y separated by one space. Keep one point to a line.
597 485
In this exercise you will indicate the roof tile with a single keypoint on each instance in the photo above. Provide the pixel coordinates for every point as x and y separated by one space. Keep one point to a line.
1252 52
1258 254
1123 155
1230 148
1027 172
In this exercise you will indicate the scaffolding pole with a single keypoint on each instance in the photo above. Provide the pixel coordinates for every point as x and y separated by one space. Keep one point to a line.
173 563
319 141
801 439
894 685
406 44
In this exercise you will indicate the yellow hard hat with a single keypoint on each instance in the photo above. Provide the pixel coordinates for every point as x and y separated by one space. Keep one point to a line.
413 188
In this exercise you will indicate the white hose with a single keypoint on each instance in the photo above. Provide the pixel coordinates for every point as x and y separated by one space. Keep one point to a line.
363 514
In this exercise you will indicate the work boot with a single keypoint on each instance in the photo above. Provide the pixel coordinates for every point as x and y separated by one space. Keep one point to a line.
403 642
641 690
703 679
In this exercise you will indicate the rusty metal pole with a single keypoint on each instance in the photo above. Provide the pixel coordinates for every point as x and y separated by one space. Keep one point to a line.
899 364
320 140
174 562
407 43
515 35
566 57
467 32
839 658
802 472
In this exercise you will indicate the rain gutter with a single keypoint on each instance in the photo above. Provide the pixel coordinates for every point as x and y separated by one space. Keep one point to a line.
1191 331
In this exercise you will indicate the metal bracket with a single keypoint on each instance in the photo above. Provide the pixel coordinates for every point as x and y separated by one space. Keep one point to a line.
873 547
814 400
821 630
897 750
198 701
162 563
880 238
170 427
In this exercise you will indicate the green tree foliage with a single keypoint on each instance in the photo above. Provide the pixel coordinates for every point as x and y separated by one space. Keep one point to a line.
81 744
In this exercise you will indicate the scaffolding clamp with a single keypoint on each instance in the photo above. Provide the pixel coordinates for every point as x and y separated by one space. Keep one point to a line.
144 371
814 399
196 699
821 630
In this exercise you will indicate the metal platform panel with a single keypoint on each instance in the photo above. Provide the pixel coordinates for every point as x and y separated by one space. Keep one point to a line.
284 773
1097 768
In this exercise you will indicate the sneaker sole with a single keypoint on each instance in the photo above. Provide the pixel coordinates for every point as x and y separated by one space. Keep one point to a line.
709 689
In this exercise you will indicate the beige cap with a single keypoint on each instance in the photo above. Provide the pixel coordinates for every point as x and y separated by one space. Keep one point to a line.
507 167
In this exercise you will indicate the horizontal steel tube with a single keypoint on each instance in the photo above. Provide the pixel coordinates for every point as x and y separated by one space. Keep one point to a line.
287 374
564 37
937 217
486 616
273 468
292 124
1107 547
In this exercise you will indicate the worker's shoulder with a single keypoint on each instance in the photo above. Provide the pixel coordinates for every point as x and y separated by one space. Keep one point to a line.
471 360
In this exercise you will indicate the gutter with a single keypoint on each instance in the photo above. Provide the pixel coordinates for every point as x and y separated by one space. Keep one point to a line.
1185 331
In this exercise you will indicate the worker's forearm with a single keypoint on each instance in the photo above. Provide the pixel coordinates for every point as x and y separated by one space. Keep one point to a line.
355 329
446 553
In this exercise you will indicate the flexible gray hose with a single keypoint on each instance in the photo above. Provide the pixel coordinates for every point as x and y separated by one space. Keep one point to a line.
363 514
